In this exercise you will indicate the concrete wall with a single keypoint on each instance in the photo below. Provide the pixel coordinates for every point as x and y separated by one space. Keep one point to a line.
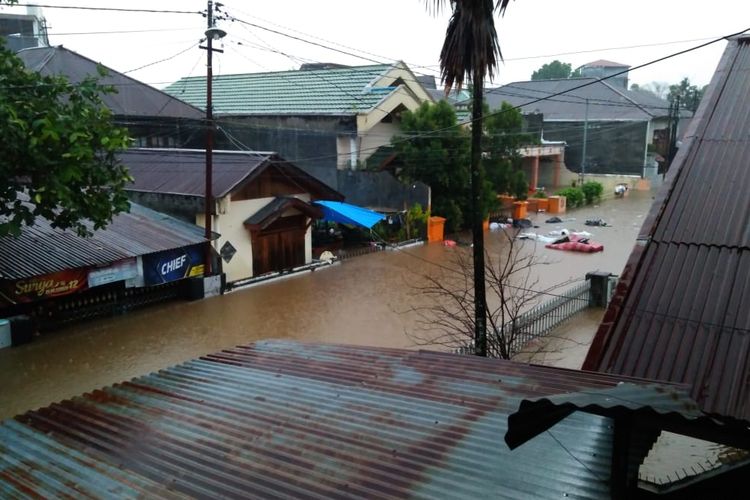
613 147
378 135
181 207
309 142
380 190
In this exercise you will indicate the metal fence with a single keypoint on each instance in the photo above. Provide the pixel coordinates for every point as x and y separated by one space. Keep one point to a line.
537 322
544 318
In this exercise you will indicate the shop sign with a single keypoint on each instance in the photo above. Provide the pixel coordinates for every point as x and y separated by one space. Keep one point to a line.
119 271
46 286
172 265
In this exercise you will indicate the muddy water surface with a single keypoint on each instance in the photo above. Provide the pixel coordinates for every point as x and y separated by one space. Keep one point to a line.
360 301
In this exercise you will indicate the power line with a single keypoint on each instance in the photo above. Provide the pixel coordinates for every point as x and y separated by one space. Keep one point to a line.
168 58
119 32
108 9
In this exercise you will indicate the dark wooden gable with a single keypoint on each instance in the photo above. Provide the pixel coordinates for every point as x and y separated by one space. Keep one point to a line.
269 183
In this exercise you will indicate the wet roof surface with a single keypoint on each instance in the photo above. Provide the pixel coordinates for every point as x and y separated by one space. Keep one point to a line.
42 249
279 418
680 312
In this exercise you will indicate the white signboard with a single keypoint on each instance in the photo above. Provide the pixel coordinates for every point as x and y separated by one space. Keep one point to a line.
119 271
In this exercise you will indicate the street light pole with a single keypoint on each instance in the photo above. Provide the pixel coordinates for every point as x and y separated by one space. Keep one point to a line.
212 33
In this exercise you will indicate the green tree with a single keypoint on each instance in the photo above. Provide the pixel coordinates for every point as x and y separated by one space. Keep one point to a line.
503 138
58 151
689 96
437 153
554 70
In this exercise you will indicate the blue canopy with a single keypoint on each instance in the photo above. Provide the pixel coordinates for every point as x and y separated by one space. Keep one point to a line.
336 211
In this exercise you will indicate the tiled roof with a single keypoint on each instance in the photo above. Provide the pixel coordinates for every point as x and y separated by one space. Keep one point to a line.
42 249
603 63
183 171
605 102
681 310
286 419
133 98
335 91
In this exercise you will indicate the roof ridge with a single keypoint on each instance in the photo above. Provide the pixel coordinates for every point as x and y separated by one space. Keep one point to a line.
289 71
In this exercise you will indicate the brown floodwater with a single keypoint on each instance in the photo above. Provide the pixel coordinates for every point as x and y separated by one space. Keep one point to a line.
363 301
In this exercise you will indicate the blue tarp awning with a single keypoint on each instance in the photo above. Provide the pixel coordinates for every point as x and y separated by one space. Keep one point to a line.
344 213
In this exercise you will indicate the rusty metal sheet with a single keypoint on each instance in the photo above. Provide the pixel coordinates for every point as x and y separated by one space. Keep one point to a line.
680 313
43 249
283 419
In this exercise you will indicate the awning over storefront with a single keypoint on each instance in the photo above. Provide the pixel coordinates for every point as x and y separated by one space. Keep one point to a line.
344 213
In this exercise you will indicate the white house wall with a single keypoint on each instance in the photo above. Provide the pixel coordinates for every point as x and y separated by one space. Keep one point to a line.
232 228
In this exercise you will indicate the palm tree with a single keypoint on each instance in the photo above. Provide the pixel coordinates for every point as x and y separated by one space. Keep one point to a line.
471 49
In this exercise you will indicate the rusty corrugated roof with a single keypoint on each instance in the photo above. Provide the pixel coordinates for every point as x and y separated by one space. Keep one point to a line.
680 312
284 419
42 249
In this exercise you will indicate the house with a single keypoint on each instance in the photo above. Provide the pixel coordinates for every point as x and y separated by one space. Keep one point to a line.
262 210
57 276
289 419
615 73
152 117
327 119
22 31
623 125
680 310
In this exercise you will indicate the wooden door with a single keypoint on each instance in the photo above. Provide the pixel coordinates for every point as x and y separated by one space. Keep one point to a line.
279 247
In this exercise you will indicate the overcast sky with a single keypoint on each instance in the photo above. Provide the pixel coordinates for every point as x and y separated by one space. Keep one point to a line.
532 33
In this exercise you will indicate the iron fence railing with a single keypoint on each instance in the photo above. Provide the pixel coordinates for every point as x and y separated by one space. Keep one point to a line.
539 321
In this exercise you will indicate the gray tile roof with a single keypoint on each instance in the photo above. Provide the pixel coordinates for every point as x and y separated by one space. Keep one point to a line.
606 102
133 98
332 91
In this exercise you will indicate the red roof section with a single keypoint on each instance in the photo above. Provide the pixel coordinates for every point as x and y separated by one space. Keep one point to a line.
680 312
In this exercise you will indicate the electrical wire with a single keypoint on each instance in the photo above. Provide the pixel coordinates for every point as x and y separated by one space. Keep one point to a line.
169 58
108 9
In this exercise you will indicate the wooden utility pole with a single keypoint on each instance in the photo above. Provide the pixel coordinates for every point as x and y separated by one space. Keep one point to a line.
212 33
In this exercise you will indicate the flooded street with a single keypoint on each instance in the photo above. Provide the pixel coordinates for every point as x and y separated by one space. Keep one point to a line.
360 301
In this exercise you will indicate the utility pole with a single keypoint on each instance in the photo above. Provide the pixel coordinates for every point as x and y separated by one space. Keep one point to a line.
212 33
477 231
585 142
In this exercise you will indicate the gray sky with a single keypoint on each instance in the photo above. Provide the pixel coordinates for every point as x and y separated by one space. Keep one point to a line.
532 33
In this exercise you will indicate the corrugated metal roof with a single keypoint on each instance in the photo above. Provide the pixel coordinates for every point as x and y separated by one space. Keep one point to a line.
336 91
605 101
183 171
133 98
284 419
42 249
680 312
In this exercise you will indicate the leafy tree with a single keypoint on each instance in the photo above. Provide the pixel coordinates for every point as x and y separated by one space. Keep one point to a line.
502 162
689 96
440 159
555 69
58 151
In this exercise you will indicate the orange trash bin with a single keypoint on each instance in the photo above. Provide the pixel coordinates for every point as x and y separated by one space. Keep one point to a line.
557 204
519 210
436 228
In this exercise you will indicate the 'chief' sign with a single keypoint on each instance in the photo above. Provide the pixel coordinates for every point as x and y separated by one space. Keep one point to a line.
172 265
